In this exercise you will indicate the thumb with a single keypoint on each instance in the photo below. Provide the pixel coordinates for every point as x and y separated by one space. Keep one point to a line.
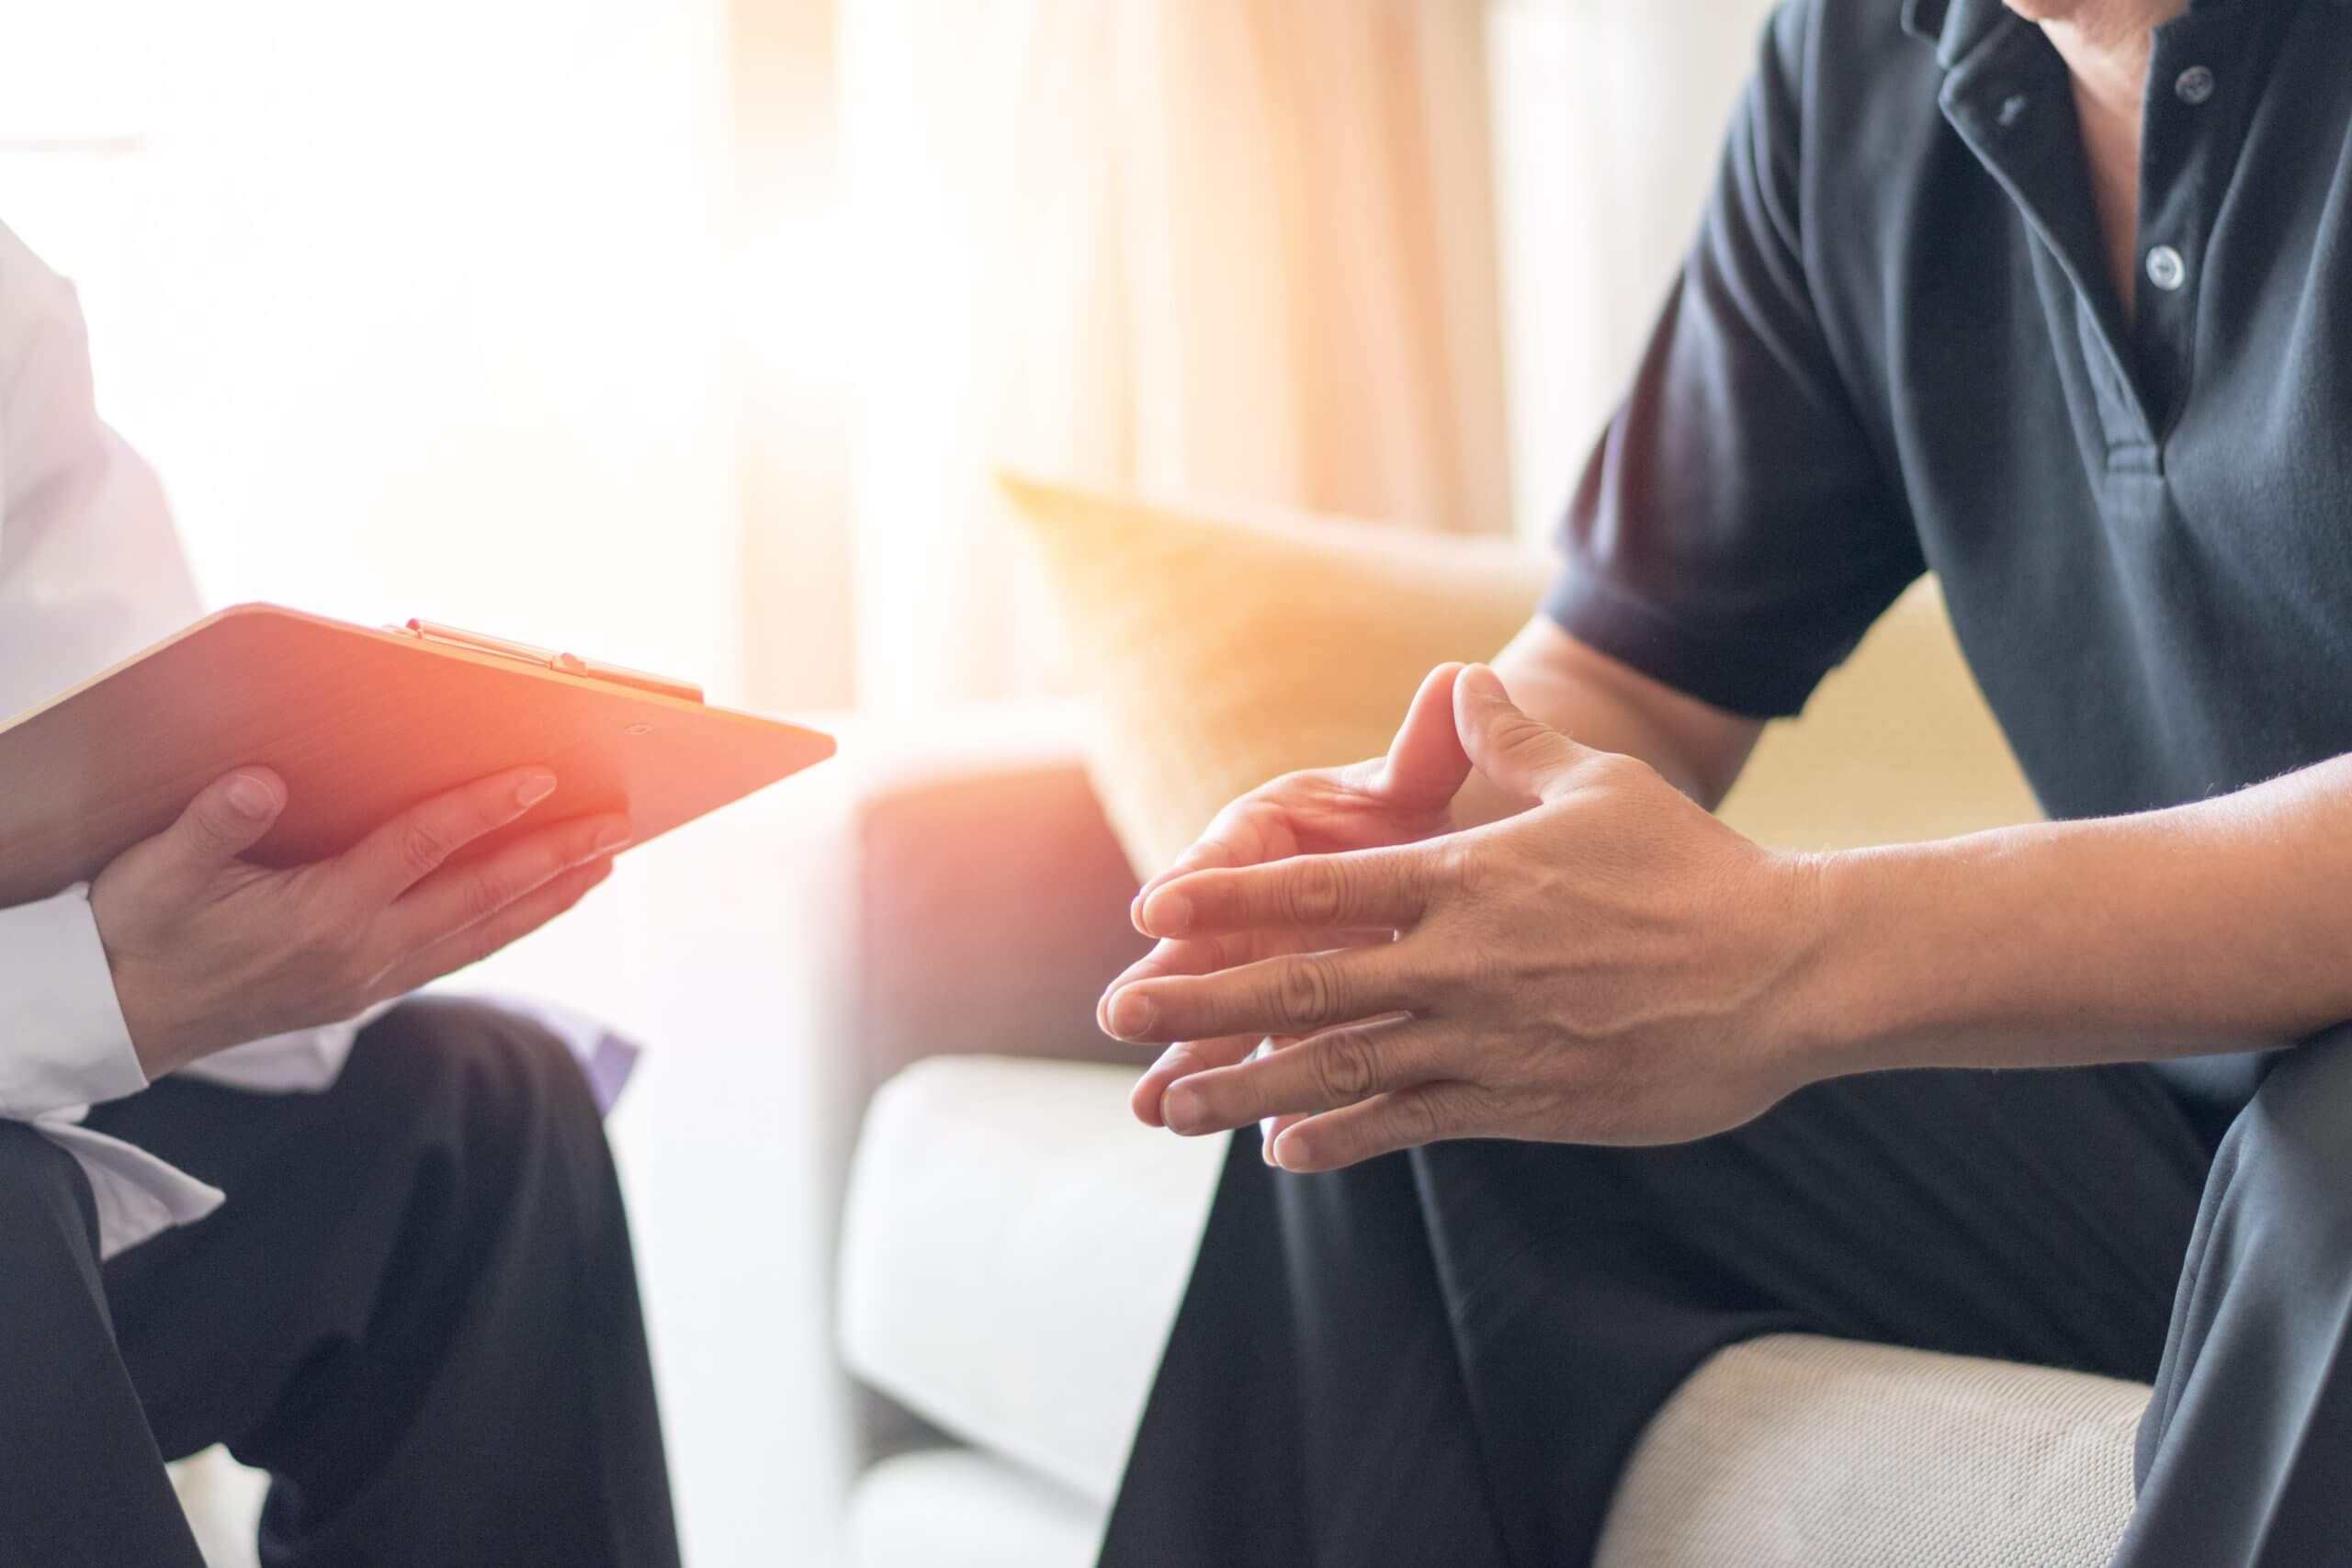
1521 755
1426 764
220 823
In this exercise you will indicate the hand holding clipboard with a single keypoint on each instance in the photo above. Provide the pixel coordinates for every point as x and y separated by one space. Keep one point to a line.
284 813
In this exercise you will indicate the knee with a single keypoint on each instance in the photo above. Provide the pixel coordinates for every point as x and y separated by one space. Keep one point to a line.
2289 1154
495 1088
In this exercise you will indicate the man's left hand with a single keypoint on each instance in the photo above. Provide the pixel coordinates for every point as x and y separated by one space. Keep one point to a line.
1613 966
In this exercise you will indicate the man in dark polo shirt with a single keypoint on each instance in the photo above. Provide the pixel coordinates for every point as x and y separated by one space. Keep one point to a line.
2054 299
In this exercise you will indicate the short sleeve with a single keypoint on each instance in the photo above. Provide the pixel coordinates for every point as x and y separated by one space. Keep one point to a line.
1734 534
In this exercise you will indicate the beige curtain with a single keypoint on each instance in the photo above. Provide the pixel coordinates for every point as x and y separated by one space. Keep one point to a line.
1228 247
1607 121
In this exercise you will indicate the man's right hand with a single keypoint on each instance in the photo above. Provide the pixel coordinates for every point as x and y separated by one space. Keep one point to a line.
1400 798
210 951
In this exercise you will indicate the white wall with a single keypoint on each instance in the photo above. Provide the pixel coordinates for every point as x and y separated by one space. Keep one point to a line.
414 306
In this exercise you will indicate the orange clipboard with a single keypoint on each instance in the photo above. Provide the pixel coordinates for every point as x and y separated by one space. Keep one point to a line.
361 723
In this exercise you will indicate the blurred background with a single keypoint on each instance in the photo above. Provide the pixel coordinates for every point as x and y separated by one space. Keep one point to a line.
686 333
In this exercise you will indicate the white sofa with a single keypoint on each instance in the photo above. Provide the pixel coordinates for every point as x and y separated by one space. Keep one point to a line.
1013 1247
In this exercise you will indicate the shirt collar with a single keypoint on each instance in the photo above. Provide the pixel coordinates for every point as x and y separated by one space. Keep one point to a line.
1955 27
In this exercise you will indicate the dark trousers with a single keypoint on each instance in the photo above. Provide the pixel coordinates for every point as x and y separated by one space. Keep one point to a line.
1445 1357
417 1311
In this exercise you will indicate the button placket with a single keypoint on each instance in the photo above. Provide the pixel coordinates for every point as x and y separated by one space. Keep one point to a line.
2194 130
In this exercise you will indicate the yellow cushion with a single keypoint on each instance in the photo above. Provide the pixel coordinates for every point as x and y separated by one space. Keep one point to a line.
1895 746
1219 647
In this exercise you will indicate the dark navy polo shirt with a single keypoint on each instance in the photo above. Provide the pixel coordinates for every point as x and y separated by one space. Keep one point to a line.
1896 347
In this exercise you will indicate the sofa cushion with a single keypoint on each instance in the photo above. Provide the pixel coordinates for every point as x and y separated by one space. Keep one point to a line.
1220 646
1015 1248
1823 1452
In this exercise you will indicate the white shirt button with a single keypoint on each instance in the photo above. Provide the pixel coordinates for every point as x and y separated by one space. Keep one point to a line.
2194 85
2166 269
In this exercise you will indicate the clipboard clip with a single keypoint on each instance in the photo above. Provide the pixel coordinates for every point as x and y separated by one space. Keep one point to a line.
548 659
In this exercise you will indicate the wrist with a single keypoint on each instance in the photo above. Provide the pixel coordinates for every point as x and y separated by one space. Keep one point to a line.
1835 1016
153 1040
1922 949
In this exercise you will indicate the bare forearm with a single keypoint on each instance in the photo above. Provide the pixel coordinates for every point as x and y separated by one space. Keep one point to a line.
2222 925
1613 707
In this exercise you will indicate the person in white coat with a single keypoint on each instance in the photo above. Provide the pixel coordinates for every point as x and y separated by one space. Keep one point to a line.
248 1194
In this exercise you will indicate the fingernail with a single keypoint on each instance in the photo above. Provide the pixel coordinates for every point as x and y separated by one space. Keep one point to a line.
1485 684
1168 914
612 837
1275 1153
534 788
1130 1014
251 797
1182 1109
1266 1140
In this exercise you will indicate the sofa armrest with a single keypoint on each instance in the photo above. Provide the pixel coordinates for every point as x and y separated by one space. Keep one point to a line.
986 903
991 897
944 885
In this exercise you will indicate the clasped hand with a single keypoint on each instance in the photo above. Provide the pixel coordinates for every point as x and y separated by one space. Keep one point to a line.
1610 965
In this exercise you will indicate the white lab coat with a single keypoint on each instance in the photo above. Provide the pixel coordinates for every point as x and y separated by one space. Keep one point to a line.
90 570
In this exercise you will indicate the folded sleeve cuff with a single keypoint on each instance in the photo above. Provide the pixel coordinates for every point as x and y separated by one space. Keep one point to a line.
302 1062
62 1039
137 1194
1739 677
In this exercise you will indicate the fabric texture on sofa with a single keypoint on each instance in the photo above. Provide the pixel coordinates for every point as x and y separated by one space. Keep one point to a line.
1015 1249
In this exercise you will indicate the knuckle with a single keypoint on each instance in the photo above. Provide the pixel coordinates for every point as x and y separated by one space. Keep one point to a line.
1418 1118
340 940
423 845
353 964
1492 1105
1615 772
1458 865
212 827
1314 891
1347 1066
481 896
1420 874
1306 992
1479 969
1517 735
